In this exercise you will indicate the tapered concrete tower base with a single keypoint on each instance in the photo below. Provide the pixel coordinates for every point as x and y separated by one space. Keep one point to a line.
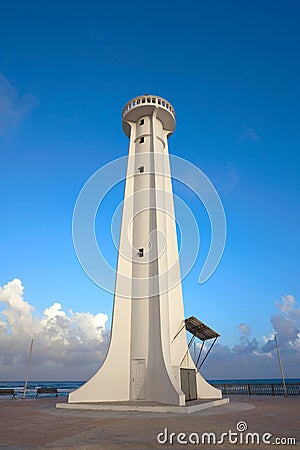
146 354
147 407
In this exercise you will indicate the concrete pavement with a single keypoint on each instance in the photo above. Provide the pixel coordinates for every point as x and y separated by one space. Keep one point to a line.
36 423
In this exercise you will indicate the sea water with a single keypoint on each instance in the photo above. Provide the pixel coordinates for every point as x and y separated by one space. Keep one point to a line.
65 387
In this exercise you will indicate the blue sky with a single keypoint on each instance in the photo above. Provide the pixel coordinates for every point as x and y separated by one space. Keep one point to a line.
231 71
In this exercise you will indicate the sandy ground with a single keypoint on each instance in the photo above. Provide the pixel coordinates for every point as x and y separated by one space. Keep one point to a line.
36 423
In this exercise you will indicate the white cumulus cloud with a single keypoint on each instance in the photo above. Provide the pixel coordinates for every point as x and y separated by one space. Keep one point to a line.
251 358
248 133
287 303
68 345
72 345
13 106
245 330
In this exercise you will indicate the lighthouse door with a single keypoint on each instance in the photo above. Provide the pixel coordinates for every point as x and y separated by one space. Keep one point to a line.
138 385
188 383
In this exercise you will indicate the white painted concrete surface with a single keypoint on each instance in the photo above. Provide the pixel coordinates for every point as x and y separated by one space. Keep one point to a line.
143 361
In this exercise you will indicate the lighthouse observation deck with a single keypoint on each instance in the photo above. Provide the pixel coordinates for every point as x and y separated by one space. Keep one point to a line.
144 105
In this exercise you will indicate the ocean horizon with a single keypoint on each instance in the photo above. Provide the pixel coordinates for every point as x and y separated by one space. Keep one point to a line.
65 387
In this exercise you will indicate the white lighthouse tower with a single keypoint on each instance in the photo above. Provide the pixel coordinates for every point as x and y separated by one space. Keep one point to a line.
148 359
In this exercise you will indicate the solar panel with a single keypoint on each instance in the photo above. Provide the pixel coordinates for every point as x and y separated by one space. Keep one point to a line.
199 329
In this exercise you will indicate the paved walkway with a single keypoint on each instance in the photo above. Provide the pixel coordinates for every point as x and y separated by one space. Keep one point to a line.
36 423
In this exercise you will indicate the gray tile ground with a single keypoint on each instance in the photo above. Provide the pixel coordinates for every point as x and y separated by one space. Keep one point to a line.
36 423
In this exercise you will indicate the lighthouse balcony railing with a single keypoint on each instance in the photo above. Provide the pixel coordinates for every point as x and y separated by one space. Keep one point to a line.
145 100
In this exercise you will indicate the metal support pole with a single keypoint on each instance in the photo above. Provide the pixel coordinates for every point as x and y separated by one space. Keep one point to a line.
198 359
178 332
208 352
190 343
280 365
28 367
